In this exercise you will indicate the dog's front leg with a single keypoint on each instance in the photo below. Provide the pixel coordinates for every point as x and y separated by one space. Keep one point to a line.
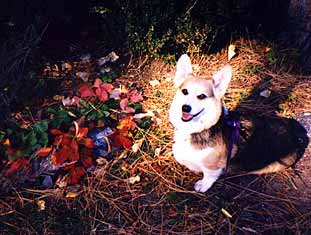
209 177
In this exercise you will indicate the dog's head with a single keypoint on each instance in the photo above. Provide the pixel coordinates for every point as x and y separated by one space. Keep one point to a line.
197 103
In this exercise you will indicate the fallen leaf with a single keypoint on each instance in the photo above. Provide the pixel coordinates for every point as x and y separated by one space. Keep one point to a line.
86 91
124 106
134 179
41 205
231 51
102 94
87 142
6 142
16 165
83 75
154 83
66 66
265 93
75 174
115 93
126 124
58 97
71 101
111 57
72 194
87 162
172 212
226 213
43 152
143 115
136 146
86 58
56 132
135 96
120 140
157 152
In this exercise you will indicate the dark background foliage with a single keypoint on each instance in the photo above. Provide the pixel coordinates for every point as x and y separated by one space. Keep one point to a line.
42 30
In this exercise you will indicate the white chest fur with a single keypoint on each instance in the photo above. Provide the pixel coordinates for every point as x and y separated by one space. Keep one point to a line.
195 160
187 155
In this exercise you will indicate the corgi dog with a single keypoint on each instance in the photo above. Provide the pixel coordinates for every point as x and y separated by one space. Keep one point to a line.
205 142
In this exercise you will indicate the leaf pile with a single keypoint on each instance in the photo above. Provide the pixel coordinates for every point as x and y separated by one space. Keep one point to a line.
62 144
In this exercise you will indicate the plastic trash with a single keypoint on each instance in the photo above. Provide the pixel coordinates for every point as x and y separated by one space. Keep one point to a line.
102 144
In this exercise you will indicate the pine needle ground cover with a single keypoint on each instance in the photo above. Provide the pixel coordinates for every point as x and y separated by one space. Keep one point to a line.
138 187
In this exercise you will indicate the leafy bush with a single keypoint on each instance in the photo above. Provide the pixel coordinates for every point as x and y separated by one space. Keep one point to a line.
165 28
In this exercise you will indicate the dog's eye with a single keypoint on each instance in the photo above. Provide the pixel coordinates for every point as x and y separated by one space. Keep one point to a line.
201 97
185 91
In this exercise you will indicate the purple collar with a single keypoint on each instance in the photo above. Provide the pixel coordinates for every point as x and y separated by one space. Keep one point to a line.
235 127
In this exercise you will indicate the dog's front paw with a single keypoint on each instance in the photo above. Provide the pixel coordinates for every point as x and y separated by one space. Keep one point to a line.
203 185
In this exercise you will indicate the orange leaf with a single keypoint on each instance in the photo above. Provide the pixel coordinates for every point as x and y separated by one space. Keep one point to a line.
75 174
87 142
43 152
120 140
82 132
7 142
126 124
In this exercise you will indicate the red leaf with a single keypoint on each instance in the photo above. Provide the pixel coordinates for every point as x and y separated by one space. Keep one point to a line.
120 140
97 83
101 94
16 165
73 153
75 174
43 152
107 86
56 132
135 96
76 101
124 103
87 162
59 157
124 106
86 91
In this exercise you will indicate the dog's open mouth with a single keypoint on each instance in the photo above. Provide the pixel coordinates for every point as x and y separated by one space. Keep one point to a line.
186 117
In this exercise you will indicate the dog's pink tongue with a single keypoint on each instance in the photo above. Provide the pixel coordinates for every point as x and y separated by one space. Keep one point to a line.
186 116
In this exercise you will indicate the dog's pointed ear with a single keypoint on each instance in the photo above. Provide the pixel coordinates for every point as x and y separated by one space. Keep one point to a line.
183 68
221 81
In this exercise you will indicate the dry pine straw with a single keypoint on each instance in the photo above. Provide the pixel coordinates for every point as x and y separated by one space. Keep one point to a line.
163 201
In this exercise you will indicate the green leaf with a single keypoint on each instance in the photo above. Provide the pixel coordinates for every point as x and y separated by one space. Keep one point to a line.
144 123
41 126
2 135
43 138
9 131
137 107
30 139
51 111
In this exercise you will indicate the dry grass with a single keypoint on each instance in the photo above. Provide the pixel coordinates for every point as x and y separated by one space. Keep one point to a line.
163 201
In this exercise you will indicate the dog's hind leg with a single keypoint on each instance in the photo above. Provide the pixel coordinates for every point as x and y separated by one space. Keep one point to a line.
209 177
276 166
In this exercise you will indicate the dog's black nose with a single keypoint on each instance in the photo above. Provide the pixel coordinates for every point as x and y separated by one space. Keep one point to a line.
186 108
